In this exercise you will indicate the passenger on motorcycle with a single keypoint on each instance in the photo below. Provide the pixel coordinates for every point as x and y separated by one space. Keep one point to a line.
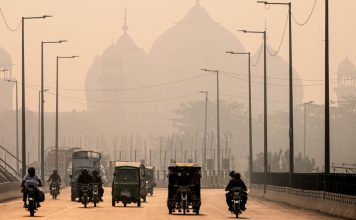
54 177
84 178
236 182
31 179
97 179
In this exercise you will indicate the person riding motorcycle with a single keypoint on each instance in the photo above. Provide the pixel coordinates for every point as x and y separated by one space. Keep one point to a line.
54 177
97 179
236 182
84 178
31 179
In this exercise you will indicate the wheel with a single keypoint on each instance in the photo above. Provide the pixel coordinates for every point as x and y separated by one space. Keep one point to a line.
151 193
72 197
237 215
144 199
113 202
170 211
197 211
32 213
139 203
126 204
94 204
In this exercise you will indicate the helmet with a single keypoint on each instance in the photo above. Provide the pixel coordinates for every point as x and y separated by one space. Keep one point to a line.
55 171
84 171
31 171
232 173
237 175
95 172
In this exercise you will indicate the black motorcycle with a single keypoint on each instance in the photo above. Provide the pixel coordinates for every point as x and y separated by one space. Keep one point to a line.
236 200
54 189
85 197
31 197
95 193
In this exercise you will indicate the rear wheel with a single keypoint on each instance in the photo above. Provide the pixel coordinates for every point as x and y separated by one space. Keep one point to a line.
72 197
139 203
170 210
126 204
113 202
144 199
197 211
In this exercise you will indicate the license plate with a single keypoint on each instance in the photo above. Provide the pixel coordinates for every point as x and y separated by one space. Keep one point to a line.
126 194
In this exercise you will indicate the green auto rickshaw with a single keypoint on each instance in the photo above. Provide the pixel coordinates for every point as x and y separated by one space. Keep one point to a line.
150 180
129 178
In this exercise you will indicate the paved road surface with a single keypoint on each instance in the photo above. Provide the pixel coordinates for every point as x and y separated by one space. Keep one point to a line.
213 207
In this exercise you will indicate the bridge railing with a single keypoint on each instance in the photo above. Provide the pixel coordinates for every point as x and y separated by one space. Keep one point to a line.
333 183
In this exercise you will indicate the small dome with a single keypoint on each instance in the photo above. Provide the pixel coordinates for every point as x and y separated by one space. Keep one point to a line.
5 56
346 67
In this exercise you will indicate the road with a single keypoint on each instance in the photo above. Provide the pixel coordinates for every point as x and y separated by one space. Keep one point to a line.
213 207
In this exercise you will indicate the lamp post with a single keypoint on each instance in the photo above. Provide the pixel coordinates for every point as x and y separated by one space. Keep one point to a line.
39 123
56 147
249 108
291 126
305 125
217 117
264 102
42 102
23 92
205 127
17 126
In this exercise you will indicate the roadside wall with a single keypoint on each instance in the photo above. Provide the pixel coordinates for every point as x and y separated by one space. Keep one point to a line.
10 191
330 203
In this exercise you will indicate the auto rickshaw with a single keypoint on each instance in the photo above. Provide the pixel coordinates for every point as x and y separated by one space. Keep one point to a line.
150 180
184 188
127 183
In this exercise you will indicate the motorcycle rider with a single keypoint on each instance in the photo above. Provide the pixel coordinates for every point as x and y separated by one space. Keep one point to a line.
54 177
31 179
97 179
84 178
236 182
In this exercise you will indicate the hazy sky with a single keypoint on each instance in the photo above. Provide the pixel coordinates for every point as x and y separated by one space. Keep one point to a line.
91 26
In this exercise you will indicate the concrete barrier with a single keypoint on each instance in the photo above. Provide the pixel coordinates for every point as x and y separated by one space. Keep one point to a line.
10 191
341 206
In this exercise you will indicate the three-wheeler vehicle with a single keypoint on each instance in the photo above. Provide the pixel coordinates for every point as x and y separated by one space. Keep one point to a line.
150 180
128 181
184 188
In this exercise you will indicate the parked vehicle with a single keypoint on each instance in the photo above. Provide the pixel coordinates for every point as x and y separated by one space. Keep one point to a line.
89 160
128 183
184 188
150 180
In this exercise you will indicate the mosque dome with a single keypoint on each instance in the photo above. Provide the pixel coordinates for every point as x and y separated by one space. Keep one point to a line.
346 67
346 80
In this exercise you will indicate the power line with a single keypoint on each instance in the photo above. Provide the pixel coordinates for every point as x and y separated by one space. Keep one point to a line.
131 102
7 25
258 59
133 88
280 44
307 20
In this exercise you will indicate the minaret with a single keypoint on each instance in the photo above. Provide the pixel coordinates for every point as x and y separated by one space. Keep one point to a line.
125 28
6 88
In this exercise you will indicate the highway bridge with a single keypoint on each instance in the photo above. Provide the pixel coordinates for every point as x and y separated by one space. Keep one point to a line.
213 207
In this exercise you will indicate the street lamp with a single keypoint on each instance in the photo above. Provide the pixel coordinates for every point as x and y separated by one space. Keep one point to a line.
217 117
205 126
265 100
305 124
17 125
42 101
39 123
23 92
249 107
56 147
291 126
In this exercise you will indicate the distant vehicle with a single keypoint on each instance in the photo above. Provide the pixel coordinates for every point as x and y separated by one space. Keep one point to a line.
54 189
150 180
128 183
89 160
184 188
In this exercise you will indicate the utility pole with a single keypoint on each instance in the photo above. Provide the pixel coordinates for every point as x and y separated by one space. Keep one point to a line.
249 109
23 113
327 98
205 128
57 106
265 127
217 118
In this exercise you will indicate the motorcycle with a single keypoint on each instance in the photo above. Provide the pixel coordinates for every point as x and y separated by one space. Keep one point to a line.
32 204
236 200
95 193
54 190
85 198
